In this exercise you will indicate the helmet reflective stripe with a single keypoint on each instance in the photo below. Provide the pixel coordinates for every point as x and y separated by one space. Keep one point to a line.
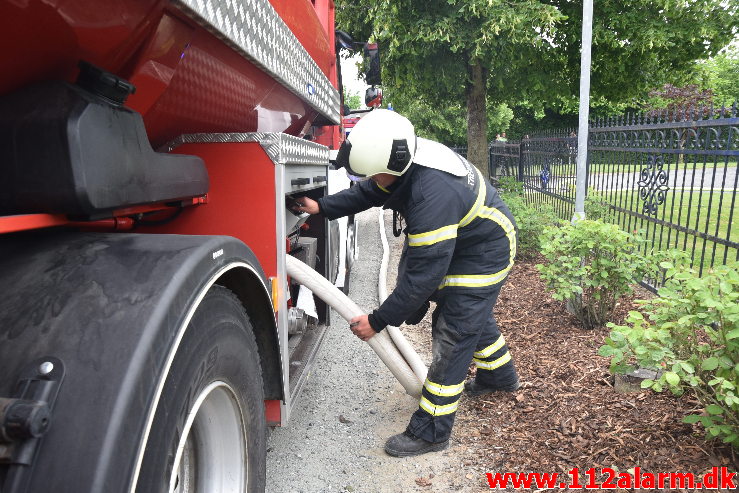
400 155
381 142
342 157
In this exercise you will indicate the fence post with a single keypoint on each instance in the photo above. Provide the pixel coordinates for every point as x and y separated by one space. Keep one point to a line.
520 161
582 135
490 162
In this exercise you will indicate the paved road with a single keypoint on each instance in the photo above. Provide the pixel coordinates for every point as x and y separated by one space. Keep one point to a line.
716 179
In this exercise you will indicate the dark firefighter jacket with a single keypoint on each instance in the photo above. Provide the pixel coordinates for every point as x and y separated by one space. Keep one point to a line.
460 235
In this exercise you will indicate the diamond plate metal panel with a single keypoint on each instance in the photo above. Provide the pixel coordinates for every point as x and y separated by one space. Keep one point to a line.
254 29
281 148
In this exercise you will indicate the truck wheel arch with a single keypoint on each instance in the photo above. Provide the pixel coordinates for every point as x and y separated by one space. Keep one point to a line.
110 306
246 285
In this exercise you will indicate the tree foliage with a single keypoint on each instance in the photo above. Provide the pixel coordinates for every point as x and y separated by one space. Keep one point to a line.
675 99
441 51
720 74
427 46
446 123
352 99
642 44
528 121
435 50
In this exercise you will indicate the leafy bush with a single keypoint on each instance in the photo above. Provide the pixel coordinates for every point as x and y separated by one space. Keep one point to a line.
531 220
591 265
692 335
509 186
596 207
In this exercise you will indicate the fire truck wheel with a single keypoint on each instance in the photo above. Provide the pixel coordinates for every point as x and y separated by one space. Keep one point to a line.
209 430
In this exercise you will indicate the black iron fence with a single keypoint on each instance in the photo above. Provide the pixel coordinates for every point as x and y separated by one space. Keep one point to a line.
503 159
671 176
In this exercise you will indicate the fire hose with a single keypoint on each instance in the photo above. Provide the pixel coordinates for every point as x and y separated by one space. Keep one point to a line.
405 365
410 355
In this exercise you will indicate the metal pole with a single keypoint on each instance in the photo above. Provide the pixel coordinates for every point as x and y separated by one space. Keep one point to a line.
582 133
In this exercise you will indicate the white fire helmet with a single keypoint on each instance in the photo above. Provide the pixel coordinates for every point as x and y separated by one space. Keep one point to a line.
385 142
381 142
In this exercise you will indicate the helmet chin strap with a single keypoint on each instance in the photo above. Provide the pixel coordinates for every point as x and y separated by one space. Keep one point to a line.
384 179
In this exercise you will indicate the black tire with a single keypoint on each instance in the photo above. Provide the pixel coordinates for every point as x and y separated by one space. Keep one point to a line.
218 347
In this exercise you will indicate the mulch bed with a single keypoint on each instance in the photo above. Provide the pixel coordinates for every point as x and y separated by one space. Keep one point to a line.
566 413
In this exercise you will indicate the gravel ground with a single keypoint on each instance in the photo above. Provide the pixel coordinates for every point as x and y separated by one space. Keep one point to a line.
351 404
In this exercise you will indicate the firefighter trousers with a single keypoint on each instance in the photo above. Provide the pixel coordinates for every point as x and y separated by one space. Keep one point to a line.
463 329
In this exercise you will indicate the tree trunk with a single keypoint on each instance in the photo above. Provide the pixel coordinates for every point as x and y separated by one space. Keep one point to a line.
477 121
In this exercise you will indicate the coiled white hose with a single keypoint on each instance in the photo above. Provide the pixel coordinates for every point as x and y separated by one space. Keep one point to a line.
411 356
380 343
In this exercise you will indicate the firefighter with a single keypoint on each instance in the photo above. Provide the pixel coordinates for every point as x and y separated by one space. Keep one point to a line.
459 247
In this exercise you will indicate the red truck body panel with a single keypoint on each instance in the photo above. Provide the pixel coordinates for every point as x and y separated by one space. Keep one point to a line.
194 77
239 203
187 79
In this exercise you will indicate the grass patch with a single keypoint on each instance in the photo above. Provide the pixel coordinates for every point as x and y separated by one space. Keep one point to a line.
704 212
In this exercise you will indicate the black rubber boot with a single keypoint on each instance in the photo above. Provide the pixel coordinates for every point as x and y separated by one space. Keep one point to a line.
472 388
406 444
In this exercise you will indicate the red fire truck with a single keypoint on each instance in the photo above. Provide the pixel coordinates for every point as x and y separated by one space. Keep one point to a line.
149 154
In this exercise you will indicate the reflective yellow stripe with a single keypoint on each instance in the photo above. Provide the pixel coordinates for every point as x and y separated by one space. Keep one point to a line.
493 364
496 216
485 353
443 390
435 410
382 188
435 236
481 192
474 280
479 209
501 220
